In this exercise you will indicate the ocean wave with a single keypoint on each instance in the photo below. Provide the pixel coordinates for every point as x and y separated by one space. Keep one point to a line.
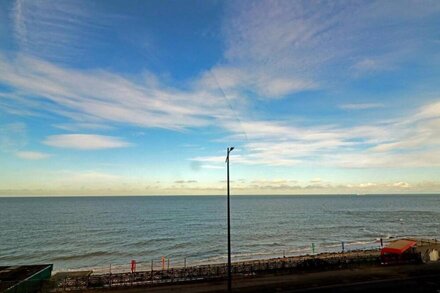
268 244
84 255
246 256
151 241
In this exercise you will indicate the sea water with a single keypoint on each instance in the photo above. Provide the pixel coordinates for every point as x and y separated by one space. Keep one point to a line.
95 232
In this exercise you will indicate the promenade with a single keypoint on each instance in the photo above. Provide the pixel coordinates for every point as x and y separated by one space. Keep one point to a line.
67 281
362 279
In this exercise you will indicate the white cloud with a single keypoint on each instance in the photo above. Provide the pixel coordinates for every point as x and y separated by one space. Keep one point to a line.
30 155
273 49
418 133
429 111
226 77
401 185
401 142
282 86
85 141
97 97
367 185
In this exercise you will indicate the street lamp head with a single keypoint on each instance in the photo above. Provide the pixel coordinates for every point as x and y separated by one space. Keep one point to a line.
227 155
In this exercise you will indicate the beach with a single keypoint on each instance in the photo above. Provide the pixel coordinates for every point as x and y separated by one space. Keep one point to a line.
81 280
357 271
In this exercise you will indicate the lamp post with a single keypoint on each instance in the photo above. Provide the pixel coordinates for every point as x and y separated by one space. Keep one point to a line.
229 150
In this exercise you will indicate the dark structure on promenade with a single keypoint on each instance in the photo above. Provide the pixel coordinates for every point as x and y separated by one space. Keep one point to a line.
411 250
24 279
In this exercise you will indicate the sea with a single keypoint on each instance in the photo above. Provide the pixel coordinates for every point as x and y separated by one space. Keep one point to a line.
107 233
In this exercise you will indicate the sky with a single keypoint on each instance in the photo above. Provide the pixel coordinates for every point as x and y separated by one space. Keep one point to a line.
144 97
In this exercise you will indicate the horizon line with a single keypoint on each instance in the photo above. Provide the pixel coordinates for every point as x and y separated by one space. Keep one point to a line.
220 195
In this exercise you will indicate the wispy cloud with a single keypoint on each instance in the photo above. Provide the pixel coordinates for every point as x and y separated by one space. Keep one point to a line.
273 50
62 32
95 97
82 126
185 181
107 97
31 155
238 80
401 184
361 106
404 142
277 48
429 111
85 141
92 182
369 65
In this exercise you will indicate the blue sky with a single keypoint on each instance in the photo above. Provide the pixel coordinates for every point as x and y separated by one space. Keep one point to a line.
143 97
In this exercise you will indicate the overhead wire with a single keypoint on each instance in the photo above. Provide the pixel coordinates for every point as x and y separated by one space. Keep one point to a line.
230 105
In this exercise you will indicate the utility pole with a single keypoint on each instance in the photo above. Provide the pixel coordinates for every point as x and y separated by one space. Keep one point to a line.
229 223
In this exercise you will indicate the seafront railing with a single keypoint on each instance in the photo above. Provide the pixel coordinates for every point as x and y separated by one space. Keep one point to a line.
323 261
